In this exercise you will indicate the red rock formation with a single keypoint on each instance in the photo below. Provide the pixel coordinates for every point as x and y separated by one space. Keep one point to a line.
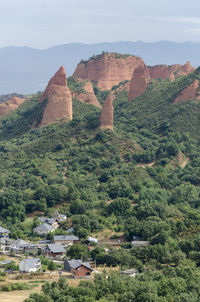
88 95
59 104
139 82
165 71
106 117
10 105
108 70
171 76
185 69
159 71
189 93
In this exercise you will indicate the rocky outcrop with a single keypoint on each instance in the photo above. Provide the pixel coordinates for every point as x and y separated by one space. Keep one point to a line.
171 76
10 105
159 71
170 72
106 117
107 70
185 69
139 82
86 95
59 99
189 93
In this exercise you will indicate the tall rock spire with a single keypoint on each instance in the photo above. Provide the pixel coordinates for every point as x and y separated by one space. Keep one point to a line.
106 117
59 99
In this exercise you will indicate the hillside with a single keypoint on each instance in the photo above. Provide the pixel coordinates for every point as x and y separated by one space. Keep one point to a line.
141 179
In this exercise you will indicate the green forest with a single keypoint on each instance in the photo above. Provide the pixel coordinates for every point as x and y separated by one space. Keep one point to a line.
140 180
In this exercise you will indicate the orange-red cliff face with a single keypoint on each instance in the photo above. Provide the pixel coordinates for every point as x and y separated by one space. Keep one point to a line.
10 105
170 72
108 70
59 104
87 95
190 92
185 69
139 82
106 117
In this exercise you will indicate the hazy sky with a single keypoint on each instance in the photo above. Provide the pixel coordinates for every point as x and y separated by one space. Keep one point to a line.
44 23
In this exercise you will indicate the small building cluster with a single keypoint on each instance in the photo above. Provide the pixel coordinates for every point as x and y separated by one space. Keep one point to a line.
48 225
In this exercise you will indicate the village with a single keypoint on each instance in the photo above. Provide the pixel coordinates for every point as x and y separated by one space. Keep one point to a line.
30 256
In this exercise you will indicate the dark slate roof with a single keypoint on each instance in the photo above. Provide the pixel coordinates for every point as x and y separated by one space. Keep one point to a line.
65 237
56 248
43 228
70 230
76 263
2 230
32 262
20 242
51 221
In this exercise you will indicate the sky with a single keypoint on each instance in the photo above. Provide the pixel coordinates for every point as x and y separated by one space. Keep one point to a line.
45 23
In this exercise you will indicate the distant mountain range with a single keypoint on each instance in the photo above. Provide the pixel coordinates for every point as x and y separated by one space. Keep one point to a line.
27 70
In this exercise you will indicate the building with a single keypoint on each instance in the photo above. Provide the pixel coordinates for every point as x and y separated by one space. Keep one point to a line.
4 232
78 268
132 272
65 239
55 251
51 221
139 243
30 265
5 243
18 246
59 217
43 229
70 230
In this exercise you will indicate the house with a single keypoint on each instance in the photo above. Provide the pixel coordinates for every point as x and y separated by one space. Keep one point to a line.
51 221
78 268
43 229
5 243
132 272
59 217
18 246
30 265
139 243
65 239
55 251
4 232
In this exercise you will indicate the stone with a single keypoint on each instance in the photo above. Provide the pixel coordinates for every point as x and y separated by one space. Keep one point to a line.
139 82
189 93
88 96
59 99
10 105
108 70
106 117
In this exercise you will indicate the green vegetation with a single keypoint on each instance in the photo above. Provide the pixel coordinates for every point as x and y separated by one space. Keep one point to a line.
75 85
175 285
140 180
16 286
99 56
